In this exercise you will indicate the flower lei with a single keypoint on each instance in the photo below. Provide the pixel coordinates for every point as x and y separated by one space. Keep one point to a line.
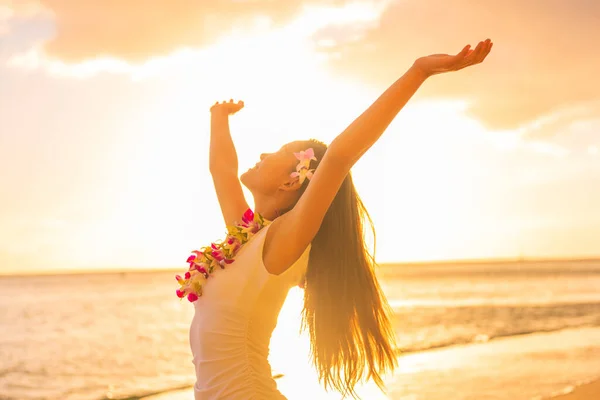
204 262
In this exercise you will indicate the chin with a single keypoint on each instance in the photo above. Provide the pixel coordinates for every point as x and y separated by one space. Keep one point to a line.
253 181
247 178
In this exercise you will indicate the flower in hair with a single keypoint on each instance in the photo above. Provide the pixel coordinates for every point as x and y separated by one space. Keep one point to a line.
302 174
206 261
302 169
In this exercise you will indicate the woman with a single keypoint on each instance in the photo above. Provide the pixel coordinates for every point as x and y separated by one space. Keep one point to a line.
312 236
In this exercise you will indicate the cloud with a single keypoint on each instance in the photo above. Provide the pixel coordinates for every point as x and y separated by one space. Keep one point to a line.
95 42
133 31
6 14
11 10
538 79
564 120
542 59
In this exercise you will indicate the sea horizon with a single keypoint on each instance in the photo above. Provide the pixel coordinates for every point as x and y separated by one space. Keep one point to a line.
383 265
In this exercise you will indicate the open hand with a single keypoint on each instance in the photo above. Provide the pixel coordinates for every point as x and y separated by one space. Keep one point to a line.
439 63
227 108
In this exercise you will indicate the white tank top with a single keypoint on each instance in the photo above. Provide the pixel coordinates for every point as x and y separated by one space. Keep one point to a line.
233 322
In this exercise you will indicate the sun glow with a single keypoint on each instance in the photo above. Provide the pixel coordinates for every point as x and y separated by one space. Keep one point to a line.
438 184
289 355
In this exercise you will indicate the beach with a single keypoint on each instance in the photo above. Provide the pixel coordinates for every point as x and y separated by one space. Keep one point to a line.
457 372
590 391
503 331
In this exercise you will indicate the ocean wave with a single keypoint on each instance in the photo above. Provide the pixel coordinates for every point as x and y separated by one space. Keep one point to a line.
495 302
484 338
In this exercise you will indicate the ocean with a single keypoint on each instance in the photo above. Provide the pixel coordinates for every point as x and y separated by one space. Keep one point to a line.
520 330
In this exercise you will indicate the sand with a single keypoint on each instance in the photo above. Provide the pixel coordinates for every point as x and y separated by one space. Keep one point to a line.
590 391
458 369
185 394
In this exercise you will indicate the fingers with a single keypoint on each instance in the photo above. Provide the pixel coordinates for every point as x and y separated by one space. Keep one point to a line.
484 50
477 55
230 102
489 48
230 107
464 51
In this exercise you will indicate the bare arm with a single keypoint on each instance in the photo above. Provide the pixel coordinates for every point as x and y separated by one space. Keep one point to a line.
303 222
223 163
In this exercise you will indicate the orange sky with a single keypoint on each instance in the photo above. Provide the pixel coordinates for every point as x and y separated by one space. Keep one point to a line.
104 123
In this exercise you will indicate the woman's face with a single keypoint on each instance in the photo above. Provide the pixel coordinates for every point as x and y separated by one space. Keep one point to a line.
273 170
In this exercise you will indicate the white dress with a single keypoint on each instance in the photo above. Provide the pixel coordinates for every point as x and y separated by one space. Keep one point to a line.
233 322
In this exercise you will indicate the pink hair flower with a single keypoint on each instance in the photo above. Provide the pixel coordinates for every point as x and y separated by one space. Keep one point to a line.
180 293
306 155
302 169
302 174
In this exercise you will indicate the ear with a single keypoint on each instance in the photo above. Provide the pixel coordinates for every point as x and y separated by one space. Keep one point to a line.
290 185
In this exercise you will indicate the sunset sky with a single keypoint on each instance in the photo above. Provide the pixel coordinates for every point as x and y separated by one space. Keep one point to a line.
104 123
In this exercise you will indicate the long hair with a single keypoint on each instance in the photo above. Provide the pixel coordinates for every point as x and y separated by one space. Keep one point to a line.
345 310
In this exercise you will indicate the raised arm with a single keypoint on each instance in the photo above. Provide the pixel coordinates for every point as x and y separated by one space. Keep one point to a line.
303 222
223 162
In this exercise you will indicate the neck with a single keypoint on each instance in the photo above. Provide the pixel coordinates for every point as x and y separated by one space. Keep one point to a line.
270 207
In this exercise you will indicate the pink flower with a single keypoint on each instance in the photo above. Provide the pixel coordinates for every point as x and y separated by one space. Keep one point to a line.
205 260
192 297
232 244
302 174
200 255
251 228
305 156
218 255
302 169
248 216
